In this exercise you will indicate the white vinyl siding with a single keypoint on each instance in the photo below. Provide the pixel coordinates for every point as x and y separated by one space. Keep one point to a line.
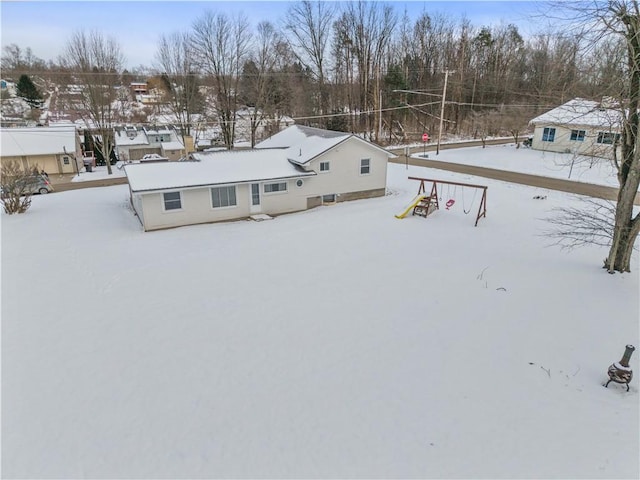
223 197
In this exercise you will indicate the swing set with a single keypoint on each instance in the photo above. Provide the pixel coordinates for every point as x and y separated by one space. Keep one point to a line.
429 203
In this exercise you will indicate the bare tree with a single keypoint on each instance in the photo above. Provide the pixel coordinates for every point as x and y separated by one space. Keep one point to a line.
96 62
16 60
589 224
176 61
16 186
221 46
604 23
623 18
256 76
310 26
371 26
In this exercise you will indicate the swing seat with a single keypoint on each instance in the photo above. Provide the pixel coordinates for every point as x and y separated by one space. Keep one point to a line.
450 203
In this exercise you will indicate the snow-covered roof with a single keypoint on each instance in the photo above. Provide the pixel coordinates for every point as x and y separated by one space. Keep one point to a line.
176 145
37 141
303 144
158 131
581 112
298 133
213 168
130 137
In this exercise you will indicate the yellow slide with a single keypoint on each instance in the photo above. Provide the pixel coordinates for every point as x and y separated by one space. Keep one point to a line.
414 202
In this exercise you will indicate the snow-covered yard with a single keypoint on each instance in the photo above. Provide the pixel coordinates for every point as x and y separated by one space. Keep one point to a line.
339 342
535 162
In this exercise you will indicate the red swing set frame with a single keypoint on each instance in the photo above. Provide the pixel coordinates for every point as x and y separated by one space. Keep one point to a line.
432 198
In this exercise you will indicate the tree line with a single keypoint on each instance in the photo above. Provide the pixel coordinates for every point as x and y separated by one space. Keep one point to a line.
353 67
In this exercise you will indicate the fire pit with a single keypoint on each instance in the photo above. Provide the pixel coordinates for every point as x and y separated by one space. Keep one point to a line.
620 372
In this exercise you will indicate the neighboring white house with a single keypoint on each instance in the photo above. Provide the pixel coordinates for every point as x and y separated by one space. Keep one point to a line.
296 169
56 150
133 143
580 126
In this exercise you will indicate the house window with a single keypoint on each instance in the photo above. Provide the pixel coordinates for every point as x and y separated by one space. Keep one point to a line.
275 187
172 200
365 166
65 160
223 197
548 134
324 166
608 138
578 135
329 198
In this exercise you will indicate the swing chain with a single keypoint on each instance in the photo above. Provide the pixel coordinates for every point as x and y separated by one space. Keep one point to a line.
464 207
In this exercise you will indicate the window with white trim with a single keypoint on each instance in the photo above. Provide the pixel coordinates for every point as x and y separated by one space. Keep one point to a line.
275 187
223 197
329 198
608 138
578 135
324 166
65 160
172 201
365 166
548 134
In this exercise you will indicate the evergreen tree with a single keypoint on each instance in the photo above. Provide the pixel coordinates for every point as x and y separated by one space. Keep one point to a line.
27 90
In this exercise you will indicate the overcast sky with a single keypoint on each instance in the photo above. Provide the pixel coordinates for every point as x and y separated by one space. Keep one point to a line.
46 26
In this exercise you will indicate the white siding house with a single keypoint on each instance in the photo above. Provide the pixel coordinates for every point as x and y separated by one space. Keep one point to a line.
133 143
56 150
580 126
297 169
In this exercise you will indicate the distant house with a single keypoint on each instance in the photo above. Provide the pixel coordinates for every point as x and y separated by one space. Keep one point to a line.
167 140
56 150
296 169
580 126
138 88
133 143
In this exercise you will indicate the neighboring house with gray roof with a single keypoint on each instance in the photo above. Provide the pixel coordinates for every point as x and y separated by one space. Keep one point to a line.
296 169
580 126
56 150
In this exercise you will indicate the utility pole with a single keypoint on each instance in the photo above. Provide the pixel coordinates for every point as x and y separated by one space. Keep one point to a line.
380 116
444 94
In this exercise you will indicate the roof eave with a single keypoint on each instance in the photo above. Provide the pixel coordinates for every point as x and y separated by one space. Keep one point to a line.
206 185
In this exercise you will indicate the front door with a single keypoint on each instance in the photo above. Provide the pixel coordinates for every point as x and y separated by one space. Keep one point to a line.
255 198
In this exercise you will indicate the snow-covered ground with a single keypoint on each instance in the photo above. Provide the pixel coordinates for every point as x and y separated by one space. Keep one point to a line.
535 162
99 172
338 342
